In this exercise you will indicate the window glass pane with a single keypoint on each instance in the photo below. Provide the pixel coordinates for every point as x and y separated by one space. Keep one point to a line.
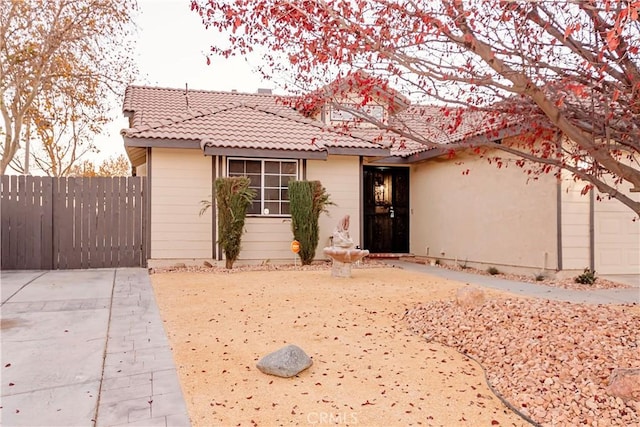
272 167
236 167
285 180
253 166
255 181
274 207
289 168
254 208
272 194
272 180
284 194
285 208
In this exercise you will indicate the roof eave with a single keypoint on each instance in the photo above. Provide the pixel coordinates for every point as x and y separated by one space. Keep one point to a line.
426 155
350 151
473 141
265 153
161 143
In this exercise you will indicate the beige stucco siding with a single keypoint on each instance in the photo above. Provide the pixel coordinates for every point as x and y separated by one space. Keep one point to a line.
616 235
180 179
340 175
490 215
575 225
267 238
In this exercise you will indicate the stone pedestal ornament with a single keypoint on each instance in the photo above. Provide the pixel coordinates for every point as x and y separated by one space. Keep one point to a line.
341 251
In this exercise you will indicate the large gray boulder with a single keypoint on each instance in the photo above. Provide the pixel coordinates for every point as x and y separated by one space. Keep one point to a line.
286 362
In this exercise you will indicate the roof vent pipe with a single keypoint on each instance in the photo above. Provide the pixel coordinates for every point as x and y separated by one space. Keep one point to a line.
264 91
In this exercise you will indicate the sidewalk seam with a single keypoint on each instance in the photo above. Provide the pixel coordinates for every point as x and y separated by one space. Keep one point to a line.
106 345
23 286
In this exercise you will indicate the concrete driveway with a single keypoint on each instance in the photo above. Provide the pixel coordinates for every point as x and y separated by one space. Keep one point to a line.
85 348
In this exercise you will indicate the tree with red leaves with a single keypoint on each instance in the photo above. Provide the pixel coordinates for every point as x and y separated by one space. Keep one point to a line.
569 69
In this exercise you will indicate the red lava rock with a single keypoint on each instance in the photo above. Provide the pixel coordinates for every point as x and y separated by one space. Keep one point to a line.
625 383
530 360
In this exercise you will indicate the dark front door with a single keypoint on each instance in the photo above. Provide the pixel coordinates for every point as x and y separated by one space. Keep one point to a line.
386 209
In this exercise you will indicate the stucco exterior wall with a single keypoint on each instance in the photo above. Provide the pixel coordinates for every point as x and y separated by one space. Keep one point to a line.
340 175
575 225
266 239
616 236
180 179
491 216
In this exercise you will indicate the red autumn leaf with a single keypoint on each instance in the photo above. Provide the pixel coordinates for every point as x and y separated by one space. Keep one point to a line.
616 95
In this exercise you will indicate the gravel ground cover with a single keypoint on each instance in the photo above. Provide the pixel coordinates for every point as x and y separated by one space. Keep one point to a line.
549 360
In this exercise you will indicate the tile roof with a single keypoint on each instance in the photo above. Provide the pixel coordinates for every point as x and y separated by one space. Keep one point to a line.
435 126
230 120
263 121
149 104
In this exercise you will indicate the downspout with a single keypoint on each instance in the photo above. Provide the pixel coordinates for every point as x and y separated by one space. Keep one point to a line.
214 229
361 201
147 220
559 221
592 240
560 266
220 174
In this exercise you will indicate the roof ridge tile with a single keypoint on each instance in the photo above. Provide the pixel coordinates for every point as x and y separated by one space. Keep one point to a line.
226 92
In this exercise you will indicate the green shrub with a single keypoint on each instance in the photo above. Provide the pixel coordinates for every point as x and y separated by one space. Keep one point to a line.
588 277
493 271
308 199
233 197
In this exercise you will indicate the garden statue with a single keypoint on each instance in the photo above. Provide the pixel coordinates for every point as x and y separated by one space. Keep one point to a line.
341 237
341 250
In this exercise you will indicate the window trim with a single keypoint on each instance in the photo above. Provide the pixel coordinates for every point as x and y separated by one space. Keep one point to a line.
262 161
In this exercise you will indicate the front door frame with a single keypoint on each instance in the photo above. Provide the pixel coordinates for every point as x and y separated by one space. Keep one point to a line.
386 209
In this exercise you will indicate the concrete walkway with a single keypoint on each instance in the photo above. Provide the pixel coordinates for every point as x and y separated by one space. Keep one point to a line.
85 348
596 296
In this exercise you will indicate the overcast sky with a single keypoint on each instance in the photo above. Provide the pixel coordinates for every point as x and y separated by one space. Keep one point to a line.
170 52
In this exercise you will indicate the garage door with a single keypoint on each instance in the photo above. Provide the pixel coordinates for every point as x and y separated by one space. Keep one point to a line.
617 239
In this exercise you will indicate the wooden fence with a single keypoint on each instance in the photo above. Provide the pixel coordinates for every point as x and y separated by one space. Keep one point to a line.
64 223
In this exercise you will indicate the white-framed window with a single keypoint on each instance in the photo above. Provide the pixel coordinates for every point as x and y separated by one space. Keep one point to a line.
270 179
338 115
